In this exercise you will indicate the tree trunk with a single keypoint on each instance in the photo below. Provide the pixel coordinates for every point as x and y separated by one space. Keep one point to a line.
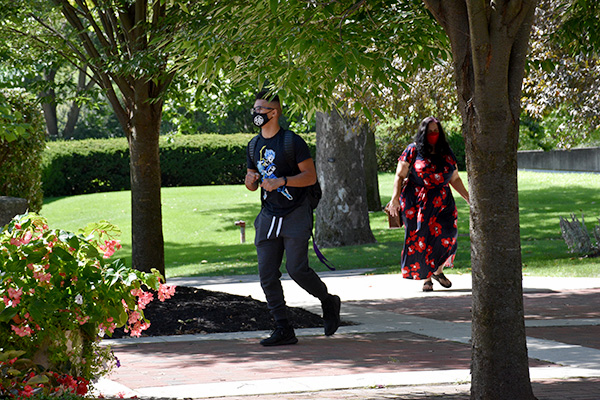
370 166
490 47
342 217
130 28
146 214
73 114
49 105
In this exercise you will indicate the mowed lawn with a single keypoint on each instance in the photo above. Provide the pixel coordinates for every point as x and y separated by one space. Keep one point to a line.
201 237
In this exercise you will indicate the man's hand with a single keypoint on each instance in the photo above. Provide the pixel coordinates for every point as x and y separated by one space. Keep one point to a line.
251 180
272 184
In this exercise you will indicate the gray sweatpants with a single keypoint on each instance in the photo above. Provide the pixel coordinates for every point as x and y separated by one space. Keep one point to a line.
290 233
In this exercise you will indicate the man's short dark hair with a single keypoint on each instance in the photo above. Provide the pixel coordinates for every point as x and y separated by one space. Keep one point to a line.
266 95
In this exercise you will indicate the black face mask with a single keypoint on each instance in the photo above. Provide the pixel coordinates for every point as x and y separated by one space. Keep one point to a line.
259 119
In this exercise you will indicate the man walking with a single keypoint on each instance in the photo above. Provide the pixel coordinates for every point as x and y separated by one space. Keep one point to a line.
285 220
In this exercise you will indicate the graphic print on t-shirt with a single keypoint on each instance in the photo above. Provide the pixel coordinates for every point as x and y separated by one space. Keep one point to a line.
267 167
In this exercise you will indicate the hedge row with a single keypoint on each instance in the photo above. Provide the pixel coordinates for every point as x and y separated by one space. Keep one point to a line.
102 165
20 158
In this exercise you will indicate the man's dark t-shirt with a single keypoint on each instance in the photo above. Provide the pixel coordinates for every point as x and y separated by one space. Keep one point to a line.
271 162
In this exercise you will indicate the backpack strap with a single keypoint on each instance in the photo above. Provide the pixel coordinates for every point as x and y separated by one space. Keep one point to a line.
252 148
320 255
288 148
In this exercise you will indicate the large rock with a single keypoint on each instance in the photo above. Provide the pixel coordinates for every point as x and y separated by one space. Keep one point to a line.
11 206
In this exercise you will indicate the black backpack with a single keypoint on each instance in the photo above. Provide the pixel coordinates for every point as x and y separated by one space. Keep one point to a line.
313 191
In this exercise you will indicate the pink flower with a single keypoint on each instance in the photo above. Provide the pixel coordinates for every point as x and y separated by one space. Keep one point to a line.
138 327
24 331
15 294
109 247
43 278
165 291
144 298
26 237
134 317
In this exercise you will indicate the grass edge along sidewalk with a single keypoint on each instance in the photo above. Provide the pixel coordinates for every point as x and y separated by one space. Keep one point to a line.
201 238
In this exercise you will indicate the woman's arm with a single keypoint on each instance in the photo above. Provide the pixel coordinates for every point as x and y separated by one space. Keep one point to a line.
458 185
401 174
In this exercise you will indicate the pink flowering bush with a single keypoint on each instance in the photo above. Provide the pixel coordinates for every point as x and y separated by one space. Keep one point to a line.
21 378
61 293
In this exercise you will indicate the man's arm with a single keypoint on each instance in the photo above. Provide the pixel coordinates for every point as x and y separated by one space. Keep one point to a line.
306 177
251 181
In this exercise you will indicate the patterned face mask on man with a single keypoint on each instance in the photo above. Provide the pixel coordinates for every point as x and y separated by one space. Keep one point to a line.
259 119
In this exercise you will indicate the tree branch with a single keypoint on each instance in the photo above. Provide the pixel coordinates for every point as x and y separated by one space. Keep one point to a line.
111 31
104 42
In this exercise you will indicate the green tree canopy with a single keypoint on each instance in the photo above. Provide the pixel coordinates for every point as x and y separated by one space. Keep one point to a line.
313 53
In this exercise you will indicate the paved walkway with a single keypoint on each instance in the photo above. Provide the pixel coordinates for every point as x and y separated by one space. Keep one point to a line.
405 344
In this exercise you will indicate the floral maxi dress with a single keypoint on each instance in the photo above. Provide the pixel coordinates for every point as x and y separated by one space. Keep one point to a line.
428 213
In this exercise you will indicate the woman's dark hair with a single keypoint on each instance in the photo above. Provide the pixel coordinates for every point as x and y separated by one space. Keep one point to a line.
442 147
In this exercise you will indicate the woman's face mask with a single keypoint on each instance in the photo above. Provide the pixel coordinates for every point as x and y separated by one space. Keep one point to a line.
432 137
433 133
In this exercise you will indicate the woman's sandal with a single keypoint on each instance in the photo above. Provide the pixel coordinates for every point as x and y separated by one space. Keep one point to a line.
428 286
441 278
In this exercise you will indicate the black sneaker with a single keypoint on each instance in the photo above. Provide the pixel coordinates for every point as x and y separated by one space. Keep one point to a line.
281 336
331 314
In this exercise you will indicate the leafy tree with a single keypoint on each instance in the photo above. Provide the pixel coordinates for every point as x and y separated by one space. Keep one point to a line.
26 65
122 45
561 89
489 44
293 45
331 57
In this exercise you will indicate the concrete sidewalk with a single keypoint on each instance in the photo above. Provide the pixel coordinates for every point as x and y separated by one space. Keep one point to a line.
406 344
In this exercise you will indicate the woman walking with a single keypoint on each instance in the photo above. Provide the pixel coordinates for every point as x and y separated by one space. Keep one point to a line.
422 196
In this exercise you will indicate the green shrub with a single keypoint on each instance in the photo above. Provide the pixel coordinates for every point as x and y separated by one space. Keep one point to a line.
85 166
102 165
21 158
207 159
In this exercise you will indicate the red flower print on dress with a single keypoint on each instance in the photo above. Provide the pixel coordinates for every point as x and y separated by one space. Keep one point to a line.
437 201
434 227
446 242
437 179
421 245
410 213
420 167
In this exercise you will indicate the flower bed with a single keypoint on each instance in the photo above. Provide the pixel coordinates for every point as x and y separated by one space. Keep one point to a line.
60 295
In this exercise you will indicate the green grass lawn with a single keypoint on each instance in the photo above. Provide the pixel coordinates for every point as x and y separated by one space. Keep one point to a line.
201 237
